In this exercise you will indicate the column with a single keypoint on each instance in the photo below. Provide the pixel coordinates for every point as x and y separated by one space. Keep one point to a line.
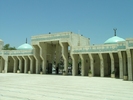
107 69
58 53
112 62
31 63
74 64
91 63
124 63
37 58
58 56
43 55
101 65
25 64
82 65
15 64
65 56
132 61
1 64
130 69
20 63
120 65
6 64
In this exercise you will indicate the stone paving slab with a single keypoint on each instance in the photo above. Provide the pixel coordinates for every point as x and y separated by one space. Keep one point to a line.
55 87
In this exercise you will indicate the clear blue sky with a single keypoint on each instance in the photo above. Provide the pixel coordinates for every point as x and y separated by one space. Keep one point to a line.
94 19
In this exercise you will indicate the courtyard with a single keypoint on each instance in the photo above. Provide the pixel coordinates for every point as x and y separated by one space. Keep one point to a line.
15 86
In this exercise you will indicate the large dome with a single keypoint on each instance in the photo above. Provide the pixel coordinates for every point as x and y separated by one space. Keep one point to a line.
25 47
113 40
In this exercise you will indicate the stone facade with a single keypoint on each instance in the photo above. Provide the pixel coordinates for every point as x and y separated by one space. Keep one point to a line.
72 54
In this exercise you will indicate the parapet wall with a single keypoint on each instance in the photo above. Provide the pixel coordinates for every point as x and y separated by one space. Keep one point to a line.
71 38
104 48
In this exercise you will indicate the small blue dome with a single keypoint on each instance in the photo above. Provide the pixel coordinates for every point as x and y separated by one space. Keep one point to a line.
25 47
114 40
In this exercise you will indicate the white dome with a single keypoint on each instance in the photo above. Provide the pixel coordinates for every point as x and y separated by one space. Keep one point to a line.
25 47
113 40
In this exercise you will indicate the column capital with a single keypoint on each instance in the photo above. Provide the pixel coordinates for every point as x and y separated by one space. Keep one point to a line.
81 56
100 56
111 56
19 57
14 57
90 56
25 57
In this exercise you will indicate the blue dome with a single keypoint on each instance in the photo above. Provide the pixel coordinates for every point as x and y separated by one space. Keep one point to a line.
25 47
114 40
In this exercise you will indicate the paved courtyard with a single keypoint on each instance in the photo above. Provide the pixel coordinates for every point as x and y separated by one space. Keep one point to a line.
54 87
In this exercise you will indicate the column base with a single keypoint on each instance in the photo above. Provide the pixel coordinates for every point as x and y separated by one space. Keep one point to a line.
40 72
3 71
125 78
90 75
112 75
29 72
64 73
18 71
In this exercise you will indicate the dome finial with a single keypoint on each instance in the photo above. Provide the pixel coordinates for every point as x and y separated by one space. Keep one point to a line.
115 31
26 40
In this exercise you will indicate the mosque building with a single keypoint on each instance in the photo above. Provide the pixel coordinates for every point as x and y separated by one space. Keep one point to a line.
68 53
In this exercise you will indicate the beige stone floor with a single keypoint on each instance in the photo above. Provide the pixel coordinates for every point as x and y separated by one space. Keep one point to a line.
55 87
